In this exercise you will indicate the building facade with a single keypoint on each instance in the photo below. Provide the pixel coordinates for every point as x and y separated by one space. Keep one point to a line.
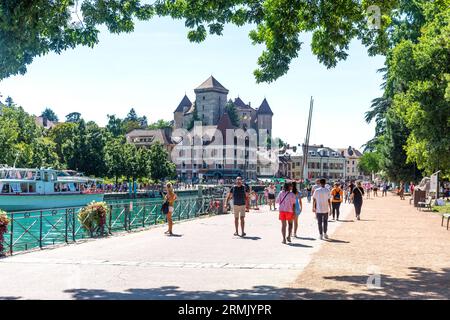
234 158
352 156
322 162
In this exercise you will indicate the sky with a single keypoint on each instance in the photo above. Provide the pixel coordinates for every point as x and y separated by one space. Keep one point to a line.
152 68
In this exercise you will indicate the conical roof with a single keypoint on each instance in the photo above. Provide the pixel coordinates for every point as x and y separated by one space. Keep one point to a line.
185 102
211 84
264 108
241 104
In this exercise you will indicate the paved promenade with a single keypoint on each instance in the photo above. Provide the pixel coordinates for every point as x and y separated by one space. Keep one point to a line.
205 260
406 250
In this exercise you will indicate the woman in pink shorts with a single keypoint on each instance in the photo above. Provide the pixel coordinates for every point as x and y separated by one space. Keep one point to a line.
286 206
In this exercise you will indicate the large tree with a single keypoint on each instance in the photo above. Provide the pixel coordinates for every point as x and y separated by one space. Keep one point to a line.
49 114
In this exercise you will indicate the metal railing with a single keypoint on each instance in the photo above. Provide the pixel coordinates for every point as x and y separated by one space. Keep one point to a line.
40 228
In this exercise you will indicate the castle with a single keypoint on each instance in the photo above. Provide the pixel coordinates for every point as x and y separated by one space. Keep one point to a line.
210 105
210 108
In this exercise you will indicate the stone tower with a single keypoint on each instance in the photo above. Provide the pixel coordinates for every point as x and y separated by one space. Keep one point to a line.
264 117
211 98
181 111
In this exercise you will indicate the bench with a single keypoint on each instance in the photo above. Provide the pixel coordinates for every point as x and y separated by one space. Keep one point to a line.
445 216
426 204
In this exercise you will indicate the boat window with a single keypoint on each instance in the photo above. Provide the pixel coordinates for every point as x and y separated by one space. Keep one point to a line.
32 188
5 188
24 187
15 187
46 176
38 175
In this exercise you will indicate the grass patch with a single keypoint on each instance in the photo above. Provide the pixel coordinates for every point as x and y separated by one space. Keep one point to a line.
442 209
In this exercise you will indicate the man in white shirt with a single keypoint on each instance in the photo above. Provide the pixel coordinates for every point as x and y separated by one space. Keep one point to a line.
322 207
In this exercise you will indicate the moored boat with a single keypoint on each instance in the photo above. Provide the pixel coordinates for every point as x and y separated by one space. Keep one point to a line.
34 189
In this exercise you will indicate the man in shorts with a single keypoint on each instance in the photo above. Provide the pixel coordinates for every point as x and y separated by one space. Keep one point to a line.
239 194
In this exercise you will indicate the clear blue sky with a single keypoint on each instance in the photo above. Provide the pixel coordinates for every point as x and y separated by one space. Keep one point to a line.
152 68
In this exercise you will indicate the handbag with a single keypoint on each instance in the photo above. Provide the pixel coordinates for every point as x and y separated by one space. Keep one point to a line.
165 207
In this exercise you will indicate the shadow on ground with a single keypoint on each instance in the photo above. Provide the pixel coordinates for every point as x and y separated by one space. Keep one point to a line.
421 283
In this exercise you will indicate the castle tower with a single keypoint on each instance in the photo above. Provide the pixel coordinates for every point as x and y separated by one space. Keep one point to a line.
264 116
211 98
181 110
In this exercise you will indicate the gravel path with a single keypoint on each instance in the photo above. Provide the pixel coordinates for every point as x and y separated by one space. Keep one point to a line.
408 249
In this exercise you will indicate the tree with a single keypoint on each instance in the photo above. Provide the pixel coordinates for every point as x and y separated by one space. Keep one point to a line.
73 117
194 118
369 163
115 126
160 124
230 108
9 101
22 142
160 167
132 116
49 114
49 26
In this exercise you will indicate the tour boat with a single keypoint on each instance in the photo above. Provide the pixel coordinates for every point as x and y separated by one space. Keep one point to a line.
33 189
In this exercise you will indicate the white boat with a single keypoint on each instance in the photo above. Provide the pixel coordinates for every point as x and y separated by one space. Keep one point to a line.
34 189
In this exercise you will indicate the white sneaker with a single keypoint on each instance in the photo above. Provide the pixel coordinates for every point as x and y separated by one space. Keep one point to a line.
321 237
326 236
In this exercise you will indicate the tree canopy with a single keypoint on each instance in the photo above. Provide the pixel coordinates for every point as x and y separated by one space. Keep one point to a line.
29 29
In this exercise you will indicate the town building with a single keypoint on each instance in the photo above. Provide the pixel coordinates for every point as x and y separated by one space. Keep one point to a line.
147 138
352 156
322 162
237 157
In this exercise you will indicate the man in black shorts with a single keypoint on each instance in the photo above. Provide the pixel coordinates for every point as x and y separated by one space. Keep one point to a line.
239 195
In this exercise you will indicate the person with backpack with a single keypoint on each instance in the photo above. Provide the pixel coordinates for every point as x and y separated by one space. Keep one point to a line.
357 198
286 204
336 199
168 207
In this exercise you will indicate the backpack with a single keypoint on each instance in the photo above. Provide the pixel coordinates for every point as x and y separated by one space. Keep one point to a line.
337 195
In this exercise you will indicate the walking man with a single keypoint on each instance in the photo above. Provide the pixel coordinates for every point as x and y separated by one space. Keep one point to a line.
239 195
322 207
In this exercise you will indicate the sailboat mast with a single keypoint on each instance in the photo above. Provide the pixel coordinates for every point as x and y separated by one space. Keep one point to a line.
306 145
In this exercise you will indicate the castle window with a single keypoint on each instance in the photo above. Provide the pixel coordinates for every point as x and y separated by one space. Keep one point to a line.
203 97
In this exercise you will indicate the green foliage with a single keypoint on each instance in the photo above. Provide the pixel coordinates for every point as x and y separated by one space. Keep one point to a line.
93 216
412 127
160 124
49 114
22 141
31 29
232 113
194 118
160 167
73 117
369 162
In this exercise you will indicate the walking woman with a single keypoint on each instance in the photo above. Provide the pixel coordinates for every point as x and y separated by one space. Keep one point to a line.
357 198
336 199
286 204
298 207
170 197
272 191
